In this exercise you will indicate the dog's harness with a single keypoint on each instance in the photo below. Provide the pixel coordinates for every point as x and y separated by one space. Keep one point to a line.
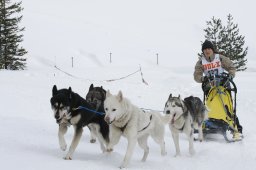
123 128
147 125
85 108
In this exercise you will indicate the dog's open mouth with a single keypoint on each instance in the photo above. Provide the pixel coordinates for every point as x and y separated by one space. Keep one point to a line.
111 122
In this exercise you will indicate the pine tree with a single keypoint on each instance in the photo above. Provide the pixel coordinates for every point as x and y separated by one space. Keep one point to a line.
227 41
10 36
232 45
214 32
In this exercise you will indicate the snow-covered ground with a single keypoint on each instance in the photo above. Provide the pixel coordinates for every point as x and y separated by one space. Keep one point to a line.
133 31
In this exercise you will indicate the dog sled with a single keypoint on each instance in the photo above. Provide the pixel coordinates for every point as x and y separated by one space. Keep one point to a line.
220 99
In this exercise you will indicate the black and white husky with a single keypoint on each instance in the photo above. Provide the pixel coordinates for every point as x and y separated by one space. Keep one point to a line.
133 123
183 117
71 109
96 97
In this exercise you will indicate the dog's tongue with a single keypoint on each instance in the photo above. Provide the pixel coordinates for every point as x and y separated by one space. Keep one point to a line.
172 121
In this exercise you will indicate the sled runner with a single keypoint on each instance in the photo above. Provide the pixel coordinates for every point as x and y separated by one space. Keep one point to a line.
222 119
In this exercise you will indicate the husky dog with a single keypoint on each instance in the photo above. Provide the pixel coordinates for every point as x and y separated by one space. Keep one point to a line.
133 123
183 116
96 97
65 105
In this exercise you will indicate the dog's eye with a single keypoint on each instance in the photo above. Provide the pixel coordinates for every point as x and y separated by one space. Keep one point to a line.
106 109
113 110
178 104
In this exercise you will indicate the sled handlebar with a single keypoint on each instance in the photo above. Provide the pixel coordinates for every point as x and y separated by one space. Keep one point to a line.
224 79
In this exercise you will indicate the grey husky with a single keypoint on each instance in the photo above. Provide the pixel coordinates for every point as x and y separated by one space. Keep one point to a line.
184 116
96 97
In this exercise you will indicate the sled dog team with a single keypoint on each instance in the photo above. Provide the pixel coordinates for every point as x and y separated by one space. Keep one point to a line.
111 116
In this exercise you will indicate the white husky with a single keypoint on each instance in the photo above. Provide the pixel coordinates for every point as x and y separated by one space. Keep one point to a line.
133 123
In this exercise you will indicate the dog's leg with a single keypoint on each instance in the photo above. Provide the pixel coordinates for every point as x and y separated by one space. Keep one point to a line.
200 132
158 136
93 133
115 135
129 151
175 137
62 131
143 143
191 141
100 138
160 140
102 146
77 136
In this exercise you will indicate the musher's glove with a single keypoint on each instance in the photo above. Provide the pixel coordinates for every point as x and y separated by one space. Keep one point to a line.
204 78
230 77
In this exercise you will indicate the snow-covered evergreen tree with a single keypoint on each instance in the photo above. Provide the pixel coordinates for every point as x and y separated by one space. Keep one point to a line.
232 45
214 32
10 36
227 41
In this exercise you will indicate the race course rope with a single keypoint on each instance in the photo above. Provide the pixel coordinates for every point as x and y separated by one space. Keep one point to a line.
109 80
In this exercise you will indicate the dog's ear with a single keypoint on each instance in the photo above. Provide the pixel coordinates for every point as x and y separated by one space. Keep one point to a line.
108 94
103 92
182 102
54 90
120 96
170 96
91 87
70 92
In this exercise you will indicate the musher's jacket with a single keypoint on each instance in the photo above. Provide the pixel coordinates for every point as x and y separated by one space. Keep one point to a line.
216 63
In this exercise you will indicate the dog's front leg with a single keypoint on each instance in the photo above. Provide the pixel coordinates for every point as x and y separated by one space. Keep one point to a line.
62 131
175 137
143 143
191 141
93 133
130 148
115 135
77 136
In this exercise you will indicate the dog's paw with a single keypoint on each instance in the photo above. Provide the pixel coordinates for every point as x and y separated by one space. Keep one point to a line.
122 167
67 158
109 150
92 140
63 147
